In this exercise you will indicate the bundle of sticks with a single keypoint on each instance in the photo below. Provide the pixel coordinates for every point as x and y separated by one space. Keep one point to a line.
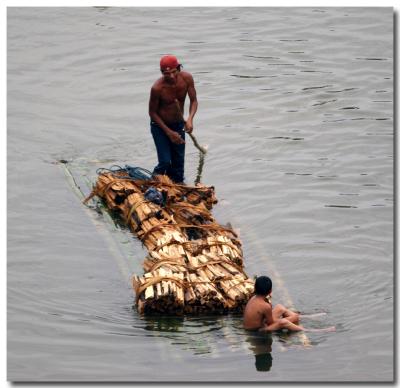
193 264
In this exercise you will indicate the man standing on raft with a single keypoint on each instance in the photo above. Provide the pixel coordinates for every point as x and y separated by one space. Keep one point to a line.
166 108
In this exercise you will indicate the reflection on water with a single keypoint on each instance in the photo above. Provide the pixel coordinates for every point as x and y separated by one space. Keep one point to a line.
263 362
163 324
197 334
216 335
261 346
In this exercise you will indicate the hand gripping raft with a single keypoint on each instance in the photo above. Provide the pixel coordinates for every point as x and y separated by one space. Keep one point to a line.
194 265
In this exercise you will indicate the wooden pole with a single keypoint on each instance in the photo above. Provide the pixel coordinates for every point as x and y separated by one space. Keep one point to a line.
195 142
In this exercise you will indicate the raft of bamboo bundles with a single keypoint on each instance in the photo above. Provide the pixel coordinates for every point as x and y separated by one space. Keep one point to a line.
193 265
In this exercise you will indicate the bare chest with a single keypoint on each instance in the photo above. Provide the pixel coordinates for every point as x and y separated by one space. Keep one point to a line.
170 93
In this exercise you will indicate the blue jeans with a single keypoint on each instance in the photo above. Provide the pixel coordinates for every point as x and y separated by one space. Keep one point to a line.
171 156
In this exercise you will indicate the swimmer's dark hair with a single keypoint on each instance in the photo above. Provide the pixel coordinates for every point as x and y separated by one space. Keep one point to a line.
263 285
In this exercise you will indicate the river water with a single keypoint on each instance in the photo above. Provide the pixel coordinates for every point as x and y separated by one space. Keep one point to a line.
296 107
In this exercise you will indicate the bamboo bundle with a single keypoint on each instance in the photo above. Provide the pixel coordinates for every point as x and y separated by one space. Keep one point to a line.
194 265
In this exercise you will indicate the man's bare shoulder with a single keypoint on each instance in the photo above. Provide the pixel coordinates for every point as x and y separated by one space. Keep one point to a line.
257 302
186 76
267 306
157 86
263 304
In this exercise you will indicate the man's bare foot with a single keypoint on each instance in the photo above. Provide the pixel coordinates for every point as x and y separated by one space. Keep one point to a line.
325 329
311 316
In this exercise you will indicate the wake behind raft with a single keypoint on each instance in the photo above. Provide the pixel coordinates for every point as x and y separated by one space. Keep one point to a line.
194 265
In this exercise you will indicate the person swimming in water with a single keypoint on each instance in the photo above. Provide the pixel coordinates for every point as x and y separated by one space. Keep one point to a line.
259 314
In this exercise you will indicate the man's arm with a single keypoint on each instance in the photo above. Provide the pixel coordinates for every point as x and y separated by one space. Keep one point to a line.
153 109
270 325
268 318
193 103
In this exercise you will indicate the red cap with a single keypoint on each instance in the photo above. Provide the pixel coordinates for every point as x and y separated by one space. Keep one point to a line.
169 62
